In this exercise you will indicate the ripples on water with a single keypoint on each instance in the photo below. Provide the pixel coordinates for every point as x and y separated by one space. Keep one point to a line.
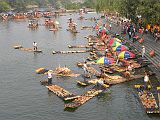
23 98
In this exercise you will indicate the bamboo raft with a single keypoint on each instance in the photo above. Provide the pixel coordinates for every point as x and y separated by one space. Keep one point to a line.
59 91
80 100
147 99
19 47
69 52
79 46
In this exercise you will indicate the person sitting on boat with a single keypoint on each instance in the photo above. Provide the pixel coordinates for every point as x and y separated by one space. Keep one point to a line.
100 83
130 68
34 46
49 77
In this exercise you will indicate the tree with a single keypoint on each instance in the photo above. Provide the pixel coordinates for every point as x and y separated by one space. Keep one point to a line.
4 6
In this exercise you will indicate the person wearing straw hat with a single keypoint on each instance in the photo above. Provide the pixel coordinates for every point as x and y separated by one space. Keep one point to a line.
143 51
49 77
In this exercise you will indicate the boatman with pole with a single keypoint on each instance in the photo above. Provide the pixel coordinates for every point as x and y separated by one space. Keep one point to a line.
35 46
50 77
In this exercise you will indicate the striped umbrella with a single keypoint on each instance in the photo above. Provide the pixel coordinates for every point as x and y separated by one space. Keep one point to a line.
126 54
120 48
104 60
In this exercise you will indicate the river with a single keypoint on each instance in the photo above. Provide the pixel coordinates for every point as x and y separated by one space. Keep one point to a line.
23 98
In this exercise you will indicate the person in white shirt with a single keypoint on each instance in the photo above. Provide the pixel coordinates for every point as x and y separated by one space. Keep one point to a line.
106 51
35 46
146 80
130 68
143 51
49 77
85 67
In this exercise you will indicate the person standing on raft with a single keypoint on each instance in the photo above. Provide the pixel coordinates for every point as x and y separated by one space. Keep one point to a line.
49 77
34 46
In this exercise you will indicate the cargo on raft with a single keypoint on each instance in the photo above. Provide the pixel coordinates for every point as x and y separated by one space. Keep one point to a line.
80 100
147 99
59 71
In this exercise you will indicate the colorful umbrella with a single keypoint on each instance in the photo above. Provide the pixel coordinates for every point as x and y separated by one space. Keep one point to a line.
126 54
113 42
120 48
105 60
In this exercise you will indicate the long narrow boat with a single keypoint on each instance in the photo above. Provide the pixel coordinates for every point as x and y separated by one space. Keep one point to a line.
68 75
111 80
69 52
79 46
93 71
80 100
59 91
147 99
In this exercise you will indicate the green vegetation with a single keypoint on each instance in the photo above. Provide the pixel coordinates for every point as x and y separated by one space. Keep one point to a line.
73 6
149 10
4 6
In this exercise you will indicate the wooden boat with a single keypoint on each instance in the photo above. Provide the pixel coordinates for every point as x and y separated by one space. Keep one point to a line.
72 31
89 82
80 100
53 29
87 27
17 46
68 75
79 46
64 72
93 71
68 52
118 79
147 99
80 64
41 71
59 91
84 83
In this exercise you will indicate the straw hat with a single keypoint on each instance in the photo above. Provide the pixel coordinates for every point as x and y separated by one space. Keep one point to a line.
50 71
143 46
